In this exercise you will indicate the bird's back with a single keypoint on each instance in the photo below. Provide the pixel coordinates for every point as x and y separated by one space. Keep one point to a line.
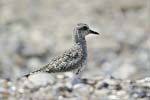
68 61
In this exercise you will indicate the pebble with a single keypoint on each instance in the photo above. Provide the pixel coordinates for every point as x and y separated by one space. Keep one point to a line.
82 89
41 79
44 89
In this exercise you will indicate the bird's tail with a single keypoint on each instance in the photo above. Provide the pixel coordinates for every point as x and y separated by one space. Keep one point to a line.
43 69
27 75
37 71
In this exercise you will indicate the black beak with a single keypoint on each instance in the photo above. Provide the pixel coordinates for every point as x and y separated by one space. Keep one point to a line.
93 32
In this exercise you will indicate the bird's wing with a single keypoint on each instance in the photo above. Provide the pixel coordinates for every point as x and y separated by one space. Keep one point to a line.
68 61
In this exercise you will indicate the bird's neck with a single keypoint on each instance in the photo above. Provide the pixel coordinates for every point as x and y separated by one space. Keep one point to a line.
80 41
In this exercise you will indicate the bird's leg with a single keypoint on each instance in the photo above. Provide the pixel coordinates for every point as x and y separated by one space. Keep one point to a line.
76 79
77 76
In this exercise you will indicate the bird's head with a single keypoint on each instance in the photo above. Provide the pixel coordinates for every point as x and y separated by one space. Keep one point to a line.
83 30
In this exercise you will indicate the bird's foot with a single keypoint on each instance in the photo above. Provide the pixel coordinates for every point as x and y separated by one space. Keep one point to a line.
76 80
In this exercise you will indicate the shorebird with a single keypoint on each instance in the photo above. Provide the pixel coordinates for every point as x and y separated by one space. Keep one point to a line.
73 59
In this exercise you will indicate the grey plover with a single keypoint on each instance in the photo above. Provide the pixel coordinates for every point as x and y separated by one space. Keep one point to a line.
75 58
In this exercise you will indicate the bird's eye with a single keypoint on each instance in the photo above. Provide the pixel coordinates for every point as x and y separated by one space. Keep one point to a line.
84 28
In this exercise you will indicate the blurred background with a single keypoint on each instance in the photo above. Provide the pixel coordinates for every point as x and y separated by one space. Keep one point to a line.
34 31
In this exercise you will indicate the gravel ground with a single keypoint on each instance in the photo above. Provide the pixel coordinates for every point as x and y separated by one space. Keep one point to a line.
32 32
97 88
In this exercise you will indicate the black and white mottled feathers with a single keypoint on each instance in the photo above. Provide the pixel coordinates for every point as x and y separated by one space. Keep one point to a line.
68 61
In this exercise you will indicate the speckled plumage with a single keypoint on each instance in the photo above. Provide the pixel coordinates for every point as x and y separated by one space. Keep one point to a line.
73 59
